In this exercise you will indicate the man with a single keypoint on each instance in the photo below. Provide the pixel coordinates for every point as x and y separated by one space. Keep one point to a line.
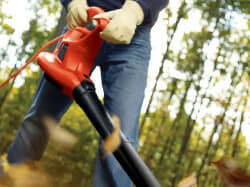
123 59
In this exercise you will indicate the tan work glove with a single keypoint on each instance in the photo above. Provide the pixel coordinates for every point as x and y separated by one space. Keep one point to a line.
123 23
77 13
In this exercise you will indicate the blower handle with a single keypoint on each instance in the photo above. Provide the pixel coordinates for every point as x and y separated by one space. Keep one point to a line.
93 11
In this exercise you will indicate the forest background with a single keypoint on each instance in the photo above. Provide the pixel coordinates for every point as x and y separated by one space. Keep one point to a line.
196 108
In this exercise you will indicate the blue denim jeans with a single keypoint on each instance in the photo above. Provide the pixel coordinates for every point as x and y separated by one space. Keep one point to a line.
124 71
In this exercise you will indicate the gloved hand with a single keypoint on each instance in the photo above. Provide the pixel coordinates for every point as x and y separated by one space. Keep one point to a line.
123 23
77 13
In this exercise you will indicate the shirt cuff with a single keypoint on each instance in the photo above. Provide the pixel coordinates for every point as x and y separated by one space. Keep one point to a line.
146 11
65 3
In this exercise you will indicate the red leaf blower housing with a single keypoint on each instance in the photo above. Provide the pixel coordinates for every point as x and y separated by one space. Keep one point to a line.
69 66
71 63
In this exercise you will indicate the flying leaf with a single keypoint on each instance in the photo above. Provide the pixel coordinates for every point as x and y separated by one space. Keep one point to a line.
231 173
59 135
24 175
28 174
112 142
189 181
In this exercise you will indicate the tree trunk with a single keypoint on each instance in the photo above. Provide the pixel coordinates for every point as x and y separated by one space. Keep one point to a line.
190 165
186 137
163 152
189 128
235 145
61 24
218 121
163 121
161 114
7 90
234 83
165 57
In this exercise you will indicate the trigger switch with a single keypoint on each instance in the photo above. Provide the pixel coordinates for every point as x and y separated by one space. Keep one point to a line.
62 51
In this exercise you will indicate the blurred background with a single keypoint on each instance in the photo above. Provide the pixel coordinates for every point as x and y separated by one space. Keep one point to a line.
197 102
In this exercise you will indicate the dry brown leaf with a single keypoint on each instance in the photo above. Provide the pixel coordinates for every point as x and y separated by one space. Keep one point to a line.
112 142
189 181
231 173
59 135
24 175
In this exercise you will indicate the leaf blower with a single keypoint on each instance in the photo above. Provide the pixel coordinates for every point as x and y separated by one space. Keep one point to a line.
69 66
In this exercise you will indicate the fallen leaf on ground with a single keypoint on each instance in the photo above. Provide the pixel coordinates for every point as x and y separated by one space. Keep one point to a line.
112 142
231 173
59 135
189 181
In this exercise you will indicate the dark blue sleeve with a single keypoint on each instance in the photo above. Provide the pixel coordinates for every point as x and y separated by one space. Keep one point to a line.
65 3
151 9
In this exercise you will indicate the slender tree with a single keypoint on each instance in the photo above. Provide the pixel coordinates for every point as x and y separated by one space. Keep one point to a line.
181 14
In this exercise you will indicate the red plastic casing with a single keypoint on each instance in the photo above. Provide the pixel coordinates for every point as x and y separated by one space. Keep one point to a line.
83 47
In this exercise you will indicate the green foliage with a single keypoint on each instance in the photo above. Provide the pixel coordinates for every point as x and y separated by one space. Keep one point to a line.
8 29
